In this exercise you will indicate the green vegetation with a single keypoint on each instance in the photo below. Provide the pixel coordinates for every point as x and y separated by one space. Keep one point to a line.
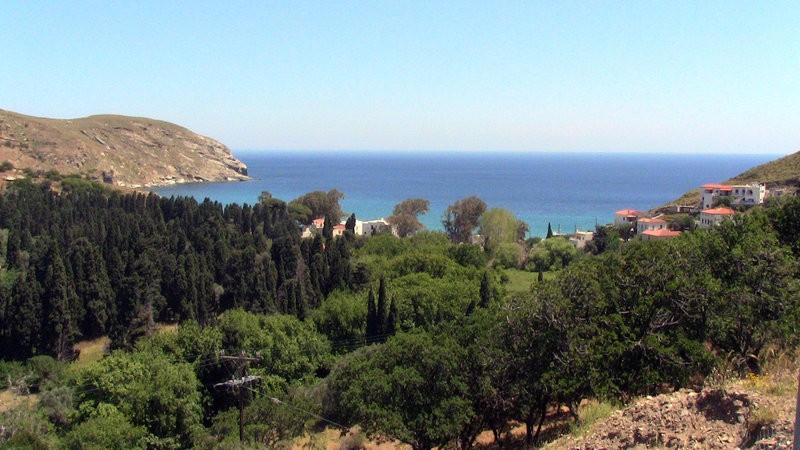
417 339
405 217
462 217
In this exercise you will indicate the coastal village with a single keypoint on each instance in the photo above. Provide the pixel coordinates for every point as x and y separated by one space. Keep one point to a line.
718 202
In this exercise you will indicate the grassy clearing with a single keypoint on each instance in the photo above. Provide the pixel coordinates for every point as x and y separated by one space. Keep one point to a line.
521 280
91 351
10 400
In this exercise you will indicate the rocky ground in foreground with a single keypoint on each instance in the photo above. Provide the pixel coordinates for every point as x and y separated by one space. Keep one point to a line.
741 416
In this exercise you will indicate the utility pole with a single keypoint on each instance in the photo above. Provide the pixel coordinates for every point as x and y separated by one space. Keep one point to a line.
239 382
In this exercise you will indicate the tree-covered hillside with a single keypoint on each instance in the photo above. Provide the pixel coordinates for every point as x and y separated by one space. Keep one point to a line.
413 339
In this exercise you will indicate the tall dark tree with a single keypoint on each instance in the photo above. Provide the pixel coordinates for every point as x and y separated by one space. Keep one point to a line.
372 316
327 230
350 225
381 312
549 231
486 294
391 319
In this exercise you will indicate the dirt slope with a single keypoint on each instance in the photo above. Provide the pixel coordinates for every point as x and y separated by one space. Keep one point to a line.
731 418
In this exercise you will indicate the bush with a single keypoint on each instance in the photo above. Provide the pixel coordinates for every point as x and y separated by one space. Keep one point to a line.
5 166
10 371
509 255
468 255
45 372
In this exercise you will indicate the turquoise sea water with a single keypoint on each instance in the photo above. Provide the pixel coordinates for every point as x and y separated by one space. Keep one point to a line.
568 190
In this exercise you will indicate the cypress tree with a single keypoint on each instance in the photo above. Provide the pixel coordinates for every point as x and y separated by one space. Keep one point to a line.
391 320
327 230
381 313
470 307
351 223
372 321
486 295
549 231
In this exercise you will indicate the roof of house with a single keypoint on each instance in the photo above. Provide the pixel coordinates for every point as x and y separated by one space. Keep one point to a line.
721 187
719 211
661 233
320 220
338 227
649 220
630 212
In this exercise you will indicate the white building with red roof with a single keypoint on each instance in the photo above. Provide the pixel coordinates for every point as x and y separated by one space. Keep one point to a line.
338 230
711 217
647 224
662 233
752 194
627 216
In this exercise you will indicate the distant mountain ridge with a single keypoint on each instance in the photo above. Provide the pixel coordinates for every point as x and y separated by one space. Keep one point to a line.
124 151
782 173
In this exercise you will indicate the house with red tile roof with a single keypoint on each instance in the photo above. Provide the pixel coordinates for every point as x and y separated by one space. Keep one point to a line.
338 230
662 233
714 216
646 223
627 216
752 194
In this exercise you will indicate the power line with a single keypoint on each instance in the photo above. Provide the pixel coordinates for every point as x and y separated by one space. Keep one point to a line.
297 408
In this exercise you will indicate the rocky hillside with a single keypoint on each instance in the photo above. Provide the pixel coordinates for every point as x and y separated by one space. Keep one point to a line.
124 151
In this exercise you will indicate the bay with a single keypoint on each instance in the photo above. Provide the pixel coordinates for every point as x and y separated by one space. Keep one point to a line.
569 190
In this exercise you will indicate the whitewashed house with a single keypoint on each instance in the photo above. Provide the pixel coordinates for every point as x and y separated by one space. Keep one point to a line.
627 216
752 194
580 238
370 227
711 217
649 224
661 233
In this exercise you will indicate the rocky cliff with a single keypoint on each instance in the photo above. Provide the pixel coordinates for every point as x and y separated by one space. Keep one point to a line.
124 151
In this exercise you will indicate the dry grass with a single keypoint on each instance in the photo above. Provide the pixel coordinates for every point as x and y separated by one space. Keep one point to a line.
10 400
589 414
332 439
91 351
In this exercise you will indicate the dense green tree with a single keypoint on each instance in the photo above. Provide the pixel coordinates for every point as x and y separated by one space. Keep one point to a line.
267 424
606 237
342 317
321 204
107 428
428 372
405 216
497 226
291 349
148 390
462 217
552 254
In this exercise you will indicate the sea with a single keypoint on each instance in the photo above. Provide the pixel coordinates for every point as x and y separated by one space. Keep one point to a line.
569 191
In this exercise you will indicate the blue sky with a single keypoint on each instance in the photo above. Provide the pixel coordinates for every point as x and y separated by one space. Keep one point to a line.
638 76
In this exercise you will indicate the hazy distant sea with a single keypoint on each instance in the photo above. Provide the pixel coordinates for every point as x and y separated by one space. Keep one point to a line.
572 190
